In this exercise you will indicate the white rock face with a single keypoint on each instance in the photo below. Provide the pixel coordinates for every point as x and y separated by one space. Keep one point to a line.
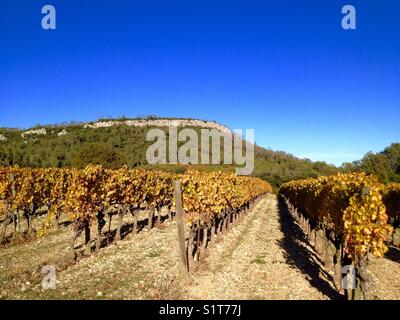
63 133
160 123
41 131
2 137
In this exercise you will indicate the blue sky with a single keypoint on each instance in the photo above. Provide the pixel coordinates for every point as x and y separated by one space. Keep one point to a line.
285 68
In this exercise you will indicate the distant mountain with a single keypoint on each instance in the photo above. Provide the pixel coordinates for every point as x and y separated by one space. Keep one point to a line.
117 142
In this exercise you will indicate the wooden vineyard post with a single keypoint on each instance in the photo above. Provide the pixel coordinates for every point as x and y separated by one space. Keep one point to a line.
134 214
204 231
88 245
118 234
338 265
169 214
212 235
364 289
181 229
150 215
312 237
318 241
197 252
17 221
329 254
100 224
190 248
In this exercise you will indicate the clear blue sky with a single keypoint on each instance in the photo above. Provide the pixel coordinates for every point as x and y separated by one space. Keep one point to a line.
285 68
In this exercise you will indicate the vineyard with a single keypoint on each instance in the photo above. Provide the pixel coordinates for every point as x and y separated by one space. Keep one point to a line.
211 201
347 217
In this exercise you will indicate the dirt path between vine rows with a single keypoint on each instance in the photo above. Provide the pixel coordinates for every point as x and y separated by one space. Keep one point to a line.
263 258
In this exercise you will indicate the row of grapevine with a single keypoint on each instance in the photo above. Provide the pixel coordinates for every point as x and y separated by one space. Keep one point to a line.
85 196
215 202
24 191
346 218
391 199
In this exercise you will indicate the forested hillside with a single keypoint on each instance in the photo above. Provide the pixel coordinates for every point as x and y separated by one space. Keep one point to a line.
73 145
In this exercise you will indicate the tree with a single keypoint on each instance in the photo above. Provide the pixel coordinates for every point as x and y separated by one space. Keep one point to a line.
97 154
379 165
393 154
